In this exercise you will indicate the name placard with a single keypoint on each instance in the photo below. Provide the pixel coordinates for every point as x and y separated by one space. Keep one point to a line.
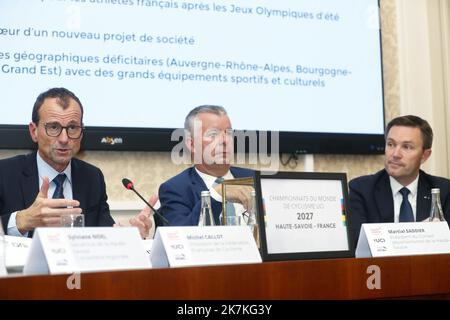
148 244
2 256
303 216
400 239
199 246
67 250
17 249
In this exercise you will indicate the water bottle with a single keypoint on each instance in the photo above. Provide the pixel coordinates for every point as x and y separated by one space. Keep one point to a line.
436 213
253 219
206 214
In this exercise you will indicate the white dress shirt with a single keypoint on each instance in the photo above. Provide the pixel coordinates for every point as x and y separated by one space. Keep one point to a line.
398 198
210 182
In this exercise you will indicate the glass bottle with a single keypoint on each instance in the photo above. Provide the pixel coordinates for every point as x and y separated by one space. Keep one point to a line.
253 219
206 214
436 213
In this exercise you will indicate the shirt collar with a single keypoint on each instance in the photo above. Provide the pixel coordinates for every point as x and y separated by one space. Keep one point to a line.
210 180
396 186
45 170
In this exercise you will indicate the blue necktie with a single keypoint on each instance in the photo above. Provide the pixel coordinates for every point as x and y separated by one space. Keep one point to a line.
59 181
230 207
406 213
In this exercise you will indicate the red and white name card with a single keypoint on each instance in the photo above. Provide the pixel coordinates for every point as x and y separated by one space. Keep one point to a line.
2 257
67 250
199 246
402 239
16 249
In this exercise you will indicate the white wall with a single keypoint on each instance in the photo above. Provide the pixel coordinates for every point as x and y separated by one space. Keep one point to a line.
423 48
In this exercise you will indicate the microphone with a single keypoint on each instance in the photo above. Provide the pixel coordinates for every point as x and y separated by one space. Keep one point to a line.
129 185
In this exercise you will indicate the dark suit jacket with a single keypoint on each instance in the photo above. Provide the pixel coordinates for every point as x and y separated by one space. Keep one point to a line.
19 186
180 197
370 200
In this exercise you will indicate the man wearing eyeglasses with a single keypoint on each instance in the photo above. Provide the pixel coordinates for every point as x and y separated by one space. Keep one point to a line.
37 189
209 138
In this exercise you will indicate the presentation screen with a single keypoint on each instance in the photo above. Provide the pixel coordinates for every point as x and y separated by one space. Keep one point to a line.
308 69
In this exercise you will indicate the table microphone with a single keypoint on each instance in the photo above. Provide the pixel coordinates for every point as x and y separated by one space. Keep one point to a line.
129 185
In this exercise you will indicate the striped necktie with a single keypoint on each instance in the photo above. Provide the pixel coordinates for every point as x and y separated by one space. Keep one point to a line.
59 182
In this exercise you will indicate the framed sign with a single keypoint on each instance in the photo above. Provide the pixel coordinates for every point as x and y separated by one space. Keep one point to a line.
302 215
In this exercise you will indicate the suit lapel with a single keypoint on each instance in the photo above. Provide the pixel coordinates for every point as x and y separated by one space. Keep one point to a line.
29 180
383 198
77 185
423 201
198 185
236 172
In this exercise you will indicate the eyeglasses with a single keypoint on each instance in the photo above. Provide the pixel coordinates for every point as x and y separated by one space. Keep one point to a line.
54 129
215 134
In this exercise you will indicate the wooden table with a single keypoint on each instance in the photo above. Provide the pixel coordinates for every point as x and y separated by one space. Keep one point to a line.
426 276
